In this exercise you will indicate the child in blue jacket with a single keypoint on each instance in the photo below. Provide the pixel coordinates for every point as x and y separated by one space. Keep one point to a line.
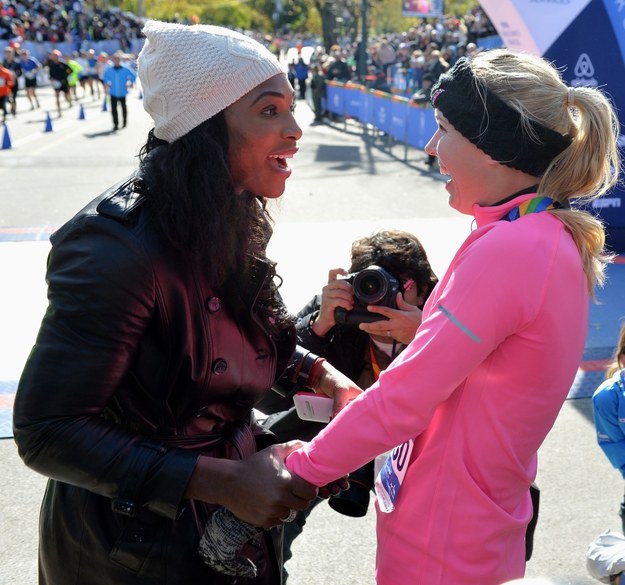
608 405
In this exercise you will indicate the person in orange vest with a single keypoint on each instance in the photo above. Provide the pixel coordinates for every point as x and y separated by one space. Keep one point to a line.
7 81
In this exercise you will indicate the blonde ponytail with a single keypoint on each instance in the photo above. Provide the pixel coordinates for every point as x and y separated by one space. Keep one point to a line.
585 170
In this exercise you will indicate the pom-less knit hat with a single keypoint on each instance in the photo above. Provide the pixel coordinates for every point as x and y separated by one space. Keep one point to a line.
190 73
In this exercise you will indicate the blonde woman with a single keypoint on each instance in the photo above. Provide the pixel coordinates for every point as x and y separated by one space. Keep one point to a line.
470 400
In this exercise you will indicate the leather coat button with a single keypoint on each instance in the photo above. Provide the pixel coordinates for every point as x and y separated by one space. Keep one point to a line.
213 304
220 366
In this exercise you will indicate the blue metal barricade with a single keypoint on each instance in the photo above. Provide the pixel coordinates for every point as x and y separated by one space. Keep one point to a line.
382 111
366 106
335 97
420 126
352 100
399 118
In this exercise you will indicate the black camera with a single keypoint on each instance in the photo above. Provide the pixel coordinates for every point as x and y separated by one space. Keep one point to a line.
372 286
354 501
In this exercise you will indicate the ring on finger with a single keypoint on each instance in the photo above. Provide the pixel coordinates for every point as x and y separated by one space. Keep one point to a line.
290 517
388 333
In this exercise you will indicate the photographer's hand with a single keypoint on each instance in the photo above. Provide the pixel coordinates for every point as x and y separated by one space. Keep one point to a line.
337 293
402 323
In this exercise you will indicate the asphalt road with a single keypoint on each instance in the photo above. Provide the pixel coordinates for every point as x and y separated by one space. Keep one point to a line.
345 184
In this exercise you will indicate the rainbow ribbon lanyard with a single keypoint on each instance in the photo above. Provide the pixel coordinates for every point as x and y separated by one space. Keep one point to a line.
533 205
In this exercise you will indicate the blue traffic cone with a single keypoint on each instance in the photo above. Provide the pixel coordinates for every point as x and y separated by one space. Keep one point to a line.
48 127
104 108
6 139
81 114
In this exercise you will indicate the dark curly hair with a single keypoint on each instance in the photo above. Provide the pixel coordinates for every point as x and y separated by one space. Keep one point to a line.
189 189
400 254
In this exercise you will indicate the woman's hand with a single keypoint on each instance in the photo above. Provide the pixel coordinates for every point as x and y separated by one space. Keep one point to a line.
337 293
402 323
259 489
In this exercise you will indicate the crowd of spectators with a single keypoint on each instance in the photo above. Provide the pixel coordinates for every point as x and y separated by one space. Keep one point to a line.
66 21
398 62
395 62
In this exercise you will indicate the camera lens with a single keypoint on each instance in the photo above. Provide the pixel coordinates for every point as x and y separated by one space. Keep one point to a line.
370 286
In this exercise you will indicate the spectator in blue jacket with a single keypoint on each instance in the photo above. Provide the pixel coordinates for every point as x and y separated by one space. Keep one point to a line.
608 405
30 69
301 71
117 79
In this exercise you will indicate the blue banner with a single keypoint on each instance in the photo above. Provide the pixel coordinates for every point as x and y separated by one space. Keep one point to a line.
585 39
399 118
353 97
335 98
583 60
391 114
382 111
41 50
420 127
366 107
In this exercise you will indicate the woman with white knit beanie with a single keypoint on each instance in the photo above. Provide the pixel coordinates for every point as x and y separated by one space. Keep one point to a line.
164 329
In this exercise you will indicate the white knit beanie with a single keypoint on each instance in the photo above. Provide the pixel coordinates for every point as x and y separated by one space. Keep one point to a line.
190 73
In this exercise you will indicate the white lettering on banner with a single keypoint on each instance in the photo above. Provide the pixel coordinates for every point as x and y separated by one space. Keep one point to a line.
620 4
510 36
550 1
605 202
382 115
584 72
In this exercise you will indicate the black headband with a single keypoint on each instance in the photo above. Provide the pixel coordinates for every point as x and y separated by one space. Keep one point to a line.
494 127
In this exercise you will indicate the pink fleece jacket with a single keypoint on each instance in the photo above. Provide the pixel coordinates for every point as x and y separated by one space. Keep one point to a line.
479 388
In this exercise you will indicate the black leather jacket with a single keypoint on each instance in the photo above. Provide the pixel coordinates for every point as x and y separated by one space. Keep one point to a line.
138 367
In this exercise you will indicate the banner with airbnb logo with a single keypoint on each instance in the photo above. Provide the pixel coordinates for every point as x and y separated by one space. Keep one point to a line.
586 41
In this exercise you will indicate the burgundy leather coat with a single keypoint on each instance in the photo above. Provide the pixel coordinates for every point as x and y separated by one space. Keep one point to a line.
138 367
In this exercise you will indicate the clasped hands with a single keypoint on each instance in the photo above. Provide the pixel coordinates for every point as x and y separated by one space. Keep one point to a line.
267 491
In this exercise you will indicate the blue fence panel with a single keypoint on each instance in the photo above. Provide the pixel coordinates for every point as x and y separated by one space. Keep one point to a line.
353 97
41 50
399 118
382 111
420 126
335 98
366 107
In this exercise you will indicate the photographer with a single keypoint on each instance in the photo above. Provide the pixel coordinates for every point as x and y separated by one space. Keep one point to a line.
358 349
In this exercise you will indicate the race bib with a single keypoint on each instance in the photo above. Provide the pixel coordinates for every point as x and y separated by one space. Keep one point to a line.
388 482
56 84
3 81
30 74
